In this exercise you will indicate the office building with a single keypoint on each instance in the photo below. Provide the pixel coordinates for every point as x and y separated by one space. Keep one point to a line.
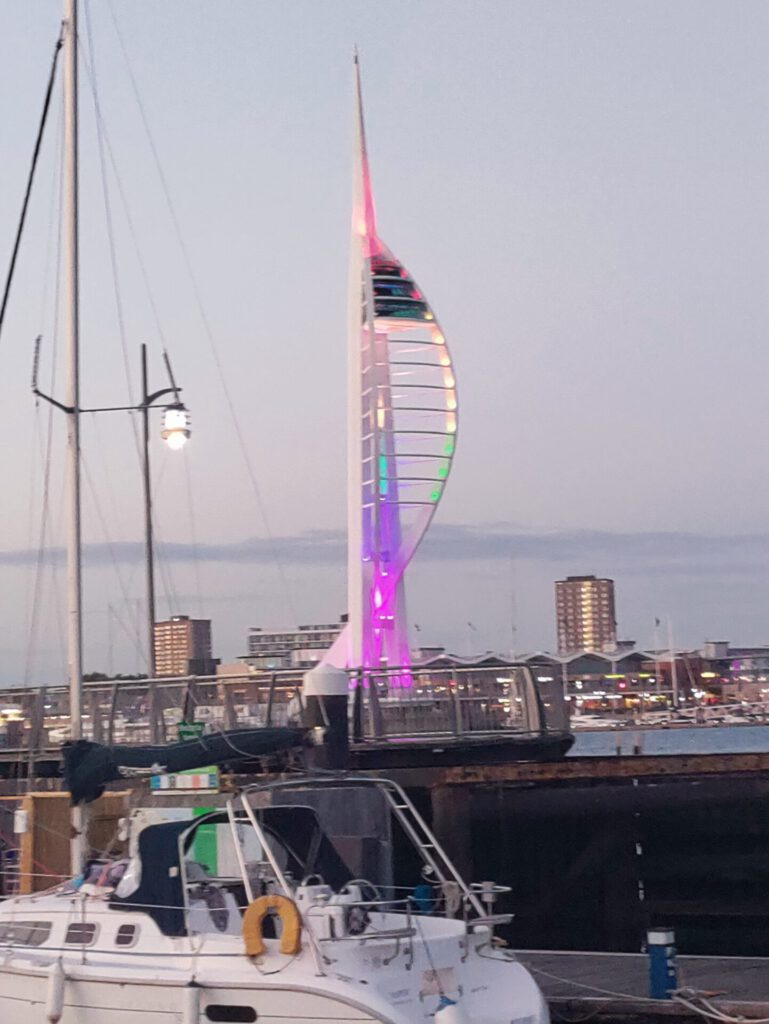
585 614
183 647
297 648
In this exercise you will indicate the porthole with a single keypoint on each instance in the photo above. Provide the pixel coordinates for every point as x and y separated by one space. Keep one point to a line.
81 933
127 934
231 1014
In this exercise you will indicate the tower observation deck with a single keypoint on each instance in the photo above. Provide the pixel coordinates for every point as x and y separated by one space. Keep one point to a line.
402 428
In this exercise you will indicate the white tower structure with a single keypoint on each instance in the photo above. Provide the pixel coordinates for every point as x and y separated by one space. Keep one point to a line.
402 426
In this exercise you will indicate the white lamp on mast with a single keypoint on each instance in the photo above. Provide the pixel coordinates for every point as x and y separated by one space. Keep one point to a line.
176 427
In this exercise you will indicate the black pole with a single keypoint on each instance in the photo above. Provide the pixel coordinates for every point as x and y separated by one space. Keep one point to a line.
148 543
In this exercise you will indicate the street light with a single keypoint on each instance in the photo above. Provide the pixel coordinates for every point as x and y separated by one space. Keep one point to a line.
176 432
176 427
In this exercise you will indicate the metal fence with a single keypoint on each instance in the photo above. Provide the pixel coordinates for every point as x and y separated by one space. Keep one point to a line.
398 703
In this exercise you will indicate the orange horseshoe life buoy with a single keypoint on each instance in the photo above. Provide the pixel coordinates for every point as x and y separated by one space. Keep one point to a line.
291 937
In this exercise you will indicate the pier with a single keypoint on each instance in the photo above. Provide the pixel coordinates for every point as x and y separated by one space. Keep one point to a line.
580 986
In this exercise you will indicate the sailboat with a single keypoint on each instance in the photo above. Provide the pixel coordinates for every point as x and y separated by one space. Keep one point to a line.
276 925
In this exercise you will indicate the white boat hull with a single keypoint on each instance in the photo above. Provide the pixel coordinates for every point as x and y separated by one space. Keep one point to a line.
506 994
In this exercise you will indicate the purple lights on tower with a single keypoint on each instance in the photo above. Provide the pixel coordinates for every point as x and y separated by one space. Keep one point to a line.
402 423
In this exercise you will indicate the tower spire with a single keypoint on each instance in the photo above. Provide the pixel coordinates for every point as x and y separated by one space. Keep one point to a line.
364 213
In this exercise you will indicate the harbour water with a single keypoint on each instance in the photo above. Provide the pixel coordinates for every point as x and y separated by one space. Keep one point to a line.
715 739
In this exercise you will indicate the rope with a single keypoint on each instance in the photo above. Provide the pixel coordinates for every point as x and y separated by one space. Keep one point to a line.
46 454
31 177
170 593
206 323
107 537
685 997
223 732
579 984
110 226
193 534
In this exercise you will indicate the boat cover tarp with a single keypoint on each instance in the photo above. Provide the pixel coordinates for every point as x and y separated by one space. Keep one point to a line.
160 893
295 829
88 767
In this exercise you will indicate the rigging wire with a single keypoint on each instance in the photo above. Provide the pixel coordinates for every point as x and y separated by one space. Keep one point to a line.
126 208
107 537
194 535
170 592
31 177
47 451
126 582
106 145
208 331
110 226
105 151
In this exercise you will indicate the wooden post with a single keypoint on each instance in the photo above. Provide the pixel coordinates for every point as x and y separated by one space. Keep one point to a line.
44 849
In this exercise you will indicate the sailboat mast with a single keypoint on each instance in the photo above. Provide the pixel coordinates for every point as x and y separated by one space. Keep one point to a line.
72 327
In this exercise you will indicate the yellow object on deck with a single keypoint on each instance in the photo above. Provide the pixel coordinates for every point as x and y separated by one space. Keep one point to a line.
291 937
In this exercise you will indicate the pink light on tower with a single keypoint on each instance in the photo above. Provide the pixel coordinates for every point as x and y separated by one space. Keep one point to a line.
402 422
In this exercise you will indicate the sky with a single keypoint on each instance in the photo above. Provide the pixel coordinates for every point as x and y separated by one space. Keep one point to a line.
579 189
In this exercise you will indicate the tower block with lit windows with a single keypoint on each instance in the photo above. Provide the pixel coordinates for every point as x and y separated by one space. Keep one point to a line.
402 426
585 614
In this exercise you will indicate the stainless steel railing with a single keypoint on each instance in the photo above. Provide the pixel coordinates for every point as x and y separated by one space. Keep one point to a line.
398 703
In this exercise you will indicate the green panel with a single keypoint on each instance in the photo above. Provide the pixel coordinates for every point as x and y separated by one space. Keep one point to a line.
204 845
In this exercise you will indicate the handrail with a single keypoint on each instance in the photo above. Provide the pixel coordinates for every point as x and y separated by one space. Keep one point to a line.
440 701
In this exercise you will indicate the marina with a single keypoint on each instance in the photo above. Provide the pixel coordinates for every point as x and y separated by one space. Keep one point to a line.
249 911
347 823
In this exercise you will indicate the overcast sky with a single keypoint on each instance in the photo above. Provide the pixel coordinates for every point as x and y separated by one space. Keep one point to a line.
581 189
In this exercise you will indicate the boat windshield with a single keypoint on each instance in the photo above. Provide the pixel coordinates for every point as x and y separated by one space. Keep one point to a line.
208 870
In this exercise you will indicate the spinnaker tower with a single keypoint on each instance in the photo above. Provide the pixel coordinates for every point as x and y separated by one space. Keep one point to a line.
402 429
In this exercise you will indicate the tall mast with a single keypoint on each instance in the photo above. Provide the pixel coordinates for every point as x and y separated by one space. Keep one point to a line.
72 316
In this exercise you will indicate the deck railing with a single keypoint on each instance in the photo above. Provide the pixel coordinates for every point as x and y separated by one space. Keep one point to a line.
439 702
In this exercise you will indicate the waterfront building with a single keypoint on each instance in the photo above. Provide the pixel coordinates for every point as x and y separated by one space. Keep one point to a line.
298 648
183 647
585 614
735 673
620 680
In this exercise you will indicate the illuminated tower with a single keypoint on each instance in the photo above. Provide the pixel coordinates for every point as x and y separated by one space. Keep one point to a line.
402 425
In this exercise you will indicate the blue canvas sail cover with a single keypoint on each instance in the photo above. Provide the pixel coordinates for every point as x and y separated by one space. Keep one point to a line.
294 829
88 767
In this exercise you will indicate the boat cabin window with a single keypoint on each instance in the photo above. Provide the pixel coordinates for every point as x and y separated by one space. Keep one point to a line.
213 855
127 934
81 933
25 933
233 1014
